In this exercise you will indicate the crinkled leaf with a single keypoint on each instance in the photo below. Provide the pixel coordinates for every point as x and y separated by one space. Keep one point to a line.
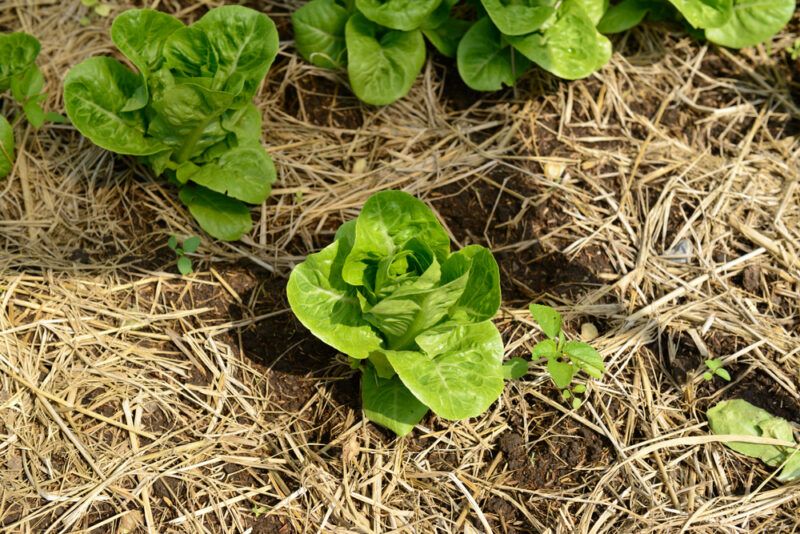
739 417
571 48
548 319
623 16
560 372
413 309
594 9
387 222
245 173
319 29
221 216
140 34
752 22
389 403
186 115
404 15
705 13
6 147
18 51
519 17
458 373
245 42
515 368
585 357
95 93
480 299
188 53
485 61
326 305
446 36
382 67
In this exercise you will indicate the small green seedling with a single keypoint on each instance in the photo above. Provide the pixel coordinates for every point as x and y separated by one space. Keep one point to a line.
189 245
101 9
794 50
564 358
19 73
715 368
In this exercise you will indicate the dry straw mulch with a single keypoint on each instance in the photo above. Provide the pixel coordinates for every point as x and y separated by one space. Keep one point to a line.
657 200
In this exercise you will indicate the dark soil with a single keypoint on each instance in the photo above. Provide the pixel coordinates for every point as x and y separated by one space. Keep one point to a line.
272 524
293 358
552 462
752 384
554 458
512 230
323 102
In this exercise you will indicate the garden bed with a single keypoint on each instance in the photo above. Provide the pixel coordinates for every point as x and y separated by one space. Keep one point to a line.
134 398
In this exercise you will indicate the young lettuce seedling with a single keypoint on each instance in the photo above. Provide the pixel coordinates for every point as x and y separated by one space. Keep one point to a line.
189 246
187 112
18 72
564 358
412 315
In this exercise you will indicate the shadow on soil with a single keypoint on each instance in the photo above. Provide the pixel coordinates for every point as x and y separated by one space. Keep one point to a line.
294 360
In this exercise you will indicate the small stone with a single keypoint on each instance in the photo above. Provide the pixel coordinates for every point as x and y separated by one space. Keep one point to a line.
130 522
553 170
682 252
589 332
360 166
751 278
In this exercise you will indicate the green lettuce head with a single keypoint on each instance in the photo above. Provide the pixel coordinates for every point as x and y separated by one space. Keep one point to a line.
412 315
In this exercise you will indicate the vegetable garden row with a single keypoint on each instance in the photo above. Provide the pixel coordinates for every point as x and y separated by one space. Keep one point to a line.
413 315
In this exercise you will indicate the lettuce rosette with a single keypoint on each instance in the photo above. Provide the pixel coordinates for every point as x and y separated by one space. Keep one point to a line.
411 314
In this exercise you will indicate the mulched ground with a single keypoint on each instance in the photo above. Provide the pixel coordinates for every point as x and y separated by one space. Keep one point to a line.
133 399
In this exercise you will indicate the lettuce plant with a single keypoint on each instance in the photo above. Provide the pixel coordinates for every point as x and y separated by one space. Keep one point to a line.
559 37
19 73
739 417
411 314
381 42
731 23
187 111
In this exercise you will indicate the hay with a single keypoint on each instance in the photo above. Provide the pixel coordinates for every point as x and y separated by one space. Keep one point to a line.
128 402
